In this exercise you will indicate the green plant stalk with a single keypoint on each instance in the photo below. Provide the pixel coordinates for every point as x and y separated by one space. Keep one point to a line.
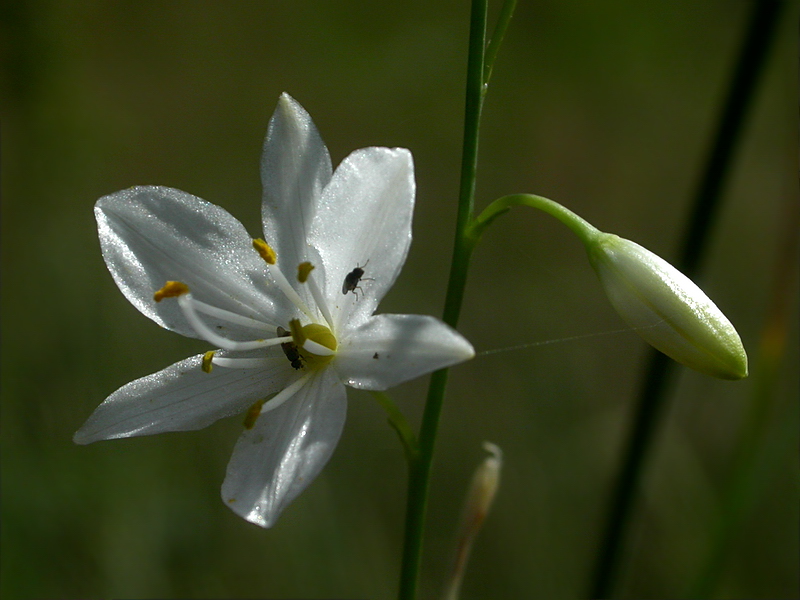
398 422
497 39
651 403
419 470
585 231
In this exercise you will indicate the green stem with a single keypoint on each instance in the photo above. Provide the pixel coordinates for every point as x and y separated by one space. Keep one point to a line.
419 472
399 423
579 226
651 403
497 38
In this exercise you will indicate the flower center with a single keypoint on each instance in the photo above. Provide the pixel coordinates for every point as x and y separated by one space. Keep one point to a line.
311 346
321 335
315 343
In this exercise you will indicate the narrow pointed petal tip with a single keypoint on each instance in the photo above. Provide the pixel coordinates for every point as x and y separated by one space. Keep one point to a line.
390 349
285 451
667 309
181 397
81 438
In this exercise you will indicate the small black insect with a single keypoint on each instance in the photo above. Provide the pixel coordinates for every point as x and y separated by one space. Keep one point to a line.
290 350
353 278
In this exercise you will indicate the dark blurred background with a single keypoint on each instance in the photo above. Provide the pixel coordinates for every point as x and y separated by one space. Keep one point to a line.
606 107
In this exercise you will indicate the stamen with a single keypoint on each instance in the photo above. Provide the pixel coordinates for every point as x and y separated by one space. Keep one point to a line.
186 302
277 400
252 414
283 284
285 394
240 363
303 271
271 258
171 289
265 251
296 329
318 297
232 317
208 358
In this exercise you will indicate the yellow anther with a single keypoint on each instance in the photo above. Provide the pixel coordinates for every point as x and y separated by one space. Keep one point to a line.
252 414
265 251
206 364
303 271
172 289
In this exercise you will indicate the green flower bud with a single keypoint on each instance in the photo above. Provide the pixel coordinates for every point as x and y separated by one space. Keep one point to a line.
666 308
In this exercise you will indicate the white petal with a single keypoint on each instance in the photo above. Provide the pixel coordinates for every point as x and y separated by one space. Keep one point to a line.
391 349
364 220
151 235
295 167
181 398
286 449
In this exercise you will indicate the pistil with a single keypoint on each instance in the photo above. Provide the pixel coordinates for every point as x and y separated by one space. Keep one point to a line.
317 342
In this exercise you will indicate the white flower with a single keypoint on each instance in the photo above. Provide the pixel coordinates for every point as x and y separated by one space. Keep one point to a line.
666 308
335 243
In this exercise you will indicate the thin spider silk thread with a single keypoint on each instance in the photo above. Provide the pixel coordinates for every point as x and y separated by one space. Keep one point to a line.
571 338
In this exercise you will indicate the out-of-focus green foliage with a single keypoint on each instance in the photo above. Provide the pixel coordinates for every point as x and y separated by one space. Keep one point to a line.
606 107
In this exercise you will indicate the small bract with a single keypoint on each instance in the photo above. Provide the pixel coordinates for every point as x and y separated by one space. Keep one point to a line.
666 308
191 267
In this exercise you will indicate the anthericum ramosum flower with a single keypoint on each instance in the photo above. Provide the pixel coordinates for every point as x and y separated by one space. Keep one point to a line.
666 308
291 314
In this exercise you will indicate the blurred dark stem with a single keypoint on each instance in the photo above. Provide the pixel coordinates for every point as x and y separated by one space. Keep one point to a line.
650 405
762 439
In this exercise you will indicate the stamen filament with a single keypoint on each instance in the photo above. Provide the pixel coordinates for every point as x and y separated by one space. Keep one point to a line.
239 363
283 284
296 329
232 317
285 394
187 304
322 305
